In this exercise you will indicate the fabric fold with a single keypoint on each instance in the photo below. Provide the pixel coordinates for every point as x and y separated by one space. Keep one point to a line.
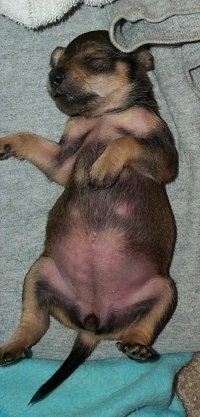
138 22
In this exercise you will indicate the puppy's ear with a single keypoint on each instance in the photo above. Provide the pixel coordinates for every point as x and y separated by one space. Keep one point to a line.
145 58
56 56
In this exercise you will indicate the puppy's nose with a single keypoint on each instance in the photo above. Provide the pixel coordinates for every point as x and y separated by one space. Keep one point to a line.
56 79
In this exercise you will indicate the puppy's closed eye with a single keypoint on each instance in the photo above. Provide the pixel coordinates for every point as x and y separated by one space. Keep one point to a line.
98 63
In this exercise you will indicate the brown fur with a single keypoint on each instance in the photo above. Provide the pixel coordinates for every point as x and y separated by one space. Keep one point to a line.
114 158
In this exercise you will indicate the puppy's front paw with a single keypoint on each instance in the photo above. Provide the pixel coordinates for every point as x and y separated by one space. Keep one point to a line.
5 149
105 170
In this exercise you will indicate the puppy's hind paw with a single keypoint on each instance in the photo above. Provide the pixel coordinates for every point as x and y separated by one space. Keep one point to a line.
138 351
8 356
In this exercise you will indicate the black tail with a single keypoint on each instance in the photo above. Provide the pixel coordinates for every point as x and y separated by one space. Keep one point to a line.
80 352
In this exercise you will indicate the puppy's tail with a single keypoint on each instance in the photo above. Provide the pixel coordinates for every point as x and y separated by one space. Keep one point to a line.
83 347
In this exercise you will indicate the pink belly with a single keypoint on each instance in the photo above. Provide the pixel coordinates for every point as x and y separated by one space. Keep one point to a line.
94 272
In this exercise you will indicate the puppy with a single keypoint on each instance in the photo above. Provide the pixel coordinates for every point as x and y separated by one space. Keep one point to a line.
110 237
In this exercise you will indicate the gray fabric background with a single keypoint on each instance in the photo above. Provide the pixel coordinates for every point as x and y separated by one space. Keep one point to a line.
26 195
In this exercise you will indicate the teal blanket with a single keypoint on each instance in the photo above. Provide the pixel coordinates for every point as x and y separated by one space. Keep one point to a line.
99 388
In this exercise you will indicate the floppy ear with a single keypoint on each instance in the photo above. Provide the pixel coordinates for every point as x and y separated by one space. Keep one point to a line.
56 55
145 58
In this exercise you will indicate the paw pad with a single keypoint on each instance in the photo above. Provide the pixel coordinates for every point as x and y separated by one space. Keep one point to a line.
6 358
7 148
5 152
137 351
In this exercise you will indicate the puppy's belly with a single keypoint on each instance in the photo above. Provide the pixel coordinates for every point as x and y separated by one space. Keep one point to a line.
90 272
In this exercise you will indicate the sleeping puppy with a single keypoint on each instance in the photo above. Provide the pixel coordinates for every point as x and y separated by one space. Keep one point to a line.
110 237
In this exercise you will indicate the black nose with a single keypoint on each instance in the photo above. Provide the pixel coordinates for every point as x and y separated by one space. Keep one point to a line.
56 79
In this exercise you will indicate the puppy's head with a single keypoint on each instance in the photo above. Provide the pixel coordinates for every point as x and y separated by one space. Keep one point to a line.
91 76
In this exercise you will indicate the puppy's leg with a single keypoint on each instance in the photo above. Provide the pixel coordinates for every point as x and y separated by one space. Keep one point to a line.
150 157
41 152
33 324
138 337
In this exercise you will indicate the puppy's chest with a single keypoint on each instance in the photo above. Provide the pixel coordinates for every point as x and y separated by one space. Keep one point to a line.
136 121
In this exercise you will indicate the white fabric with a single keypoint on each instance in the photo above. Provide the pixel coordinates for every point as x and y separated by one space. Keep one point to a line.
36 13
